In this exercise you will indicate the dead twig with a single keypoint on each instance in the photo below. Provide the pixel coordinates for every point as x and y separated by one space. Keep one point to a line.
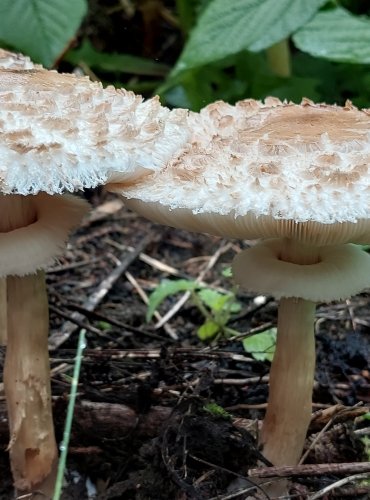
68 328
167 328
310 470
186 296
338 484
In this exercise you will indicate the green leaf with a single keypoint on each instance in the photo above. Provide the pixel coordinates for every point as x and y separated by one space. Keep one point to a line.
165 289
214 300
216 410
337 35
226 28
41 29
262 345
208 330
227 272
123 63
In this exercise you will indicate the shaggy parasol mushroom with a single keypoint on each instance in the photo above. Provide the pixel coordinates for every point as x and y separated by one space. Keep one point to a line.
58 133
296 177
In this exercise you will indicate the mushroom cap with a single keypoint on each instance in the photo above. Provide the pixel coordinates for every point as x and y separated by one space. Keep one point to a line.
60 132
266 170
10 60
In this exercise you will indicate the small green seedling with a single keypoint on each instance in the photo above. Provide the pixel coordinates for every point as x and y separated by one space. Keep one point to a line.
217 411
216 307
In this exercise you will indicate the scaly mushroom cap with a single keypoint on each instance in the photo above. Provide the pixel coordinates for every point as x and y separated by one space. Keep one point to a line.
267 170
10 60
60 132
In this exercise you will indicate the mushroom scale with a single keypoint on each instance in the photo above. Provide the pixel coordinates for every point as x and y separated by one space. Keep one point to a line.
60 132
298 163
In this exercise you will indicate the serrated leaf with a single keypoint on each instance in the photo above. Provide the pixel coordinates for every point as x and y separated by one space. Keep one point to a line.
226 28
123 63
337 35
165 289
41 29
208 330
262 345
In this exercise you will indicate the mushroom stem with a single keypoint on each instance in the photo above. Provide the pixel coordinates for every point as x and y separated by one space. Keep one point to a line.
3 312
291 381
33 450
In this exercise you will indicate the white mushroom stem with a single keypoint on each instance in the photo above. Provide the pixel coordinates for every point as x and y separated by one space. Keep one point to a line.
3 313
32 447
299 275
292 371
33 231
291 381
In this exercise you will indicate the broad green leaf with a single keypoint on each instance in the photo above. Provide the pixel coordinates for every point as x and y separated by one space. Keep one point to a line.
337 35
225 28
123 63
208 330
41 29
165 289
262 345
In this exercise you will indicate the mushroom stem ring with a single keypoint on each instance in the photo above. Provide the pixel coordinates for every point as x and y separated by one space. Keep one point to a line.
337 271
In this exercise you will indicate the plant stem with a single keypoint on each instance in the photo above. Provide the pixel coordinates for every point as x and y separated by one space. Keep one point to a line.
278 58
69 418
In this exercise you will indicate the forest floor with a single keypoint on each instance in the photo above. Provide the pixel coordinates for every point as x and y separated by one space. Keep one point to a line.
144 425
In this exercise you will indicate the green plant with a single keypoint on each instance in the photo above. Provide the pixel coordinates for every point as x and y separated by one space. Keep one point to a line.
215 307
41 29
247 48
217 411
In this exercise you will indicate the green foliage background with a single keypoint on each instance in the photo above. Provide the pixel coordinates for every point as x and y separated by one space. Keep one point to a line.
319 49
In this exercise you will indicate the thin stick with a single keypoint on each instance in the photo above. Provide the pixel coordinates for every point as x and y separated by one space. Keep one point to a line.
337 484
167 328
70 411
311 470
186 296
57 339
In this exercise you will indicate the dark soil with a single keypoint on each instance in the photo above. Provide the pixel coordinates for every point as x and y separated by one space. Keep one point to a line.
143 427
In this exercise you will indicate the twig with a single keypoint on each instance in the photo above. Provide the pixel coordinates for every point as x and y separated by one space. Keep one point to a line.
317 438
311 470
337 484
252 487
167 328
185 297
57 339
113 322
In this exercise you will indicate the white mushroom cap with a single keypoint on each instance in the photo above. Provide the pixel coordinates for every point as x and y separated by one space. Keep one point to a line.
268 170
10 60
60 132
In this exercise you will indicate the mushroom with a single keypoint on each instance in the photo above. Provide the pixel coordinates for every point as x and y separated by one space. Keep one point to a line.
58 133
295 177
